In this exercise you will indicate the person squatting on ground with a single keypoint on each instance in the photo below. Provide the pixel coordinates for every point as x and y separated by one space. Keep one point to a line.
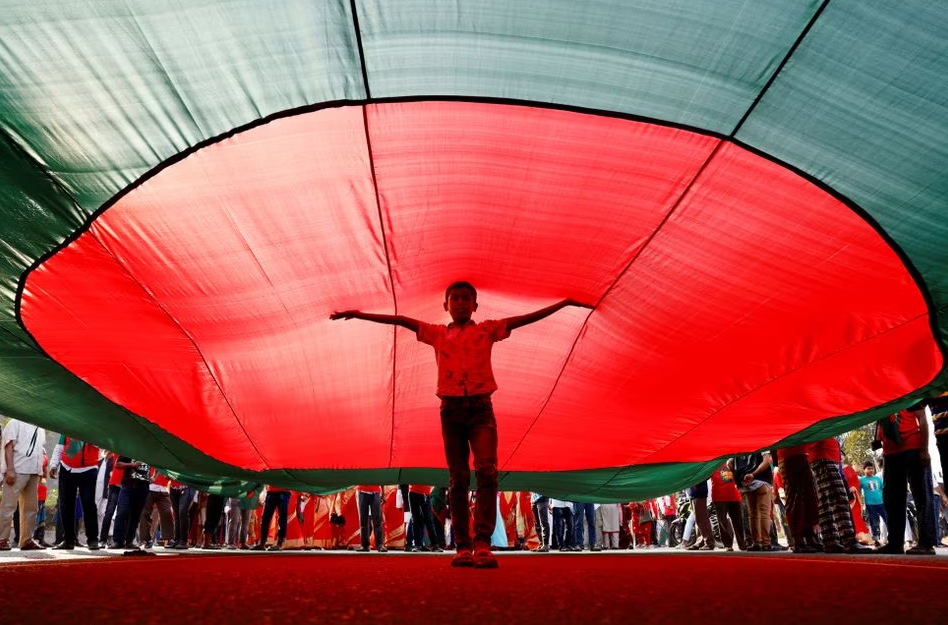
468 426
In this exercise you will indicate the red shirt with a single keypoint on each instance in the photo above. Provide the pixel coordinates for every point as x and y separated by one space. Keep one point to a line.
370 489
788 452
723 488
115 477
463 355
826 449
908 432
78 455
419 488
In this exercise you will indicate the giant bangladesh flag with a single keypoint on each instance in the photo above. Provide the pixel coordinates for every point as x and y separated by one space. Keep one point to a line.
752 195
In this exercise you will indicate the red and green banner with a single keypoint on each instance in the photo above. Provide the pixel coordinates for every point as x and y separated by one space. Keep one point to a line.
751 196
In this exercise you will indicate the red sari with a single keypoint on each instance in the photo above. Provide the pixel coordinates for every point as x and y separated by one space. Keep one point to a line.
855 505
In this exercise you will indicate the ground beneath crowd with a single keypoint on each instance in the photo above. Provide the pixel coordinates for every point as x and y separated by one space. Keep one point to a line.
549 589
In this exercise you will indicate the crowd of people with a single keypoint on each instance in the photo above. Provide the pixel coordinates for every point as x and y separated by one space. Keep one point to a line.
805 499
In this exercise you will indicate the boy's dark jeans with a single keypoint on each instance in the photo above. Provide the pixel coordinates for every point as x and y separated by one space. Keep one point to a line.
468 427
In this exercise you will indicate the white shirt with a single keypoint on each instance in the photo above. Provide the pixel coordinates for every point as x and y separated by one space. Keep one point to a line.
27 449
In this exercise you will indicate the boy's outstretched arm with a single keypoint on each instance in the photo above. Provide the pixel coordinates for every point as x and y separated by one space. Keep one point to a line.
522 320
393 320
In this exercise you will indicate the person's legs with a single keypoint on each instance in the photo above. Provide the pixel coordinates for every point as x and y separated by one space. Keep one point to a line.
700 507
589 510
8 505
894 491
242 536
364 501
427 521
90 513
283 513
165 516
138 492
822 471
541 521
39 533
577 526
415 502
28 505
483 440
920 480
872 511
457 455
727 534
110 506
144 519
269 507
558 540
68 490
375 511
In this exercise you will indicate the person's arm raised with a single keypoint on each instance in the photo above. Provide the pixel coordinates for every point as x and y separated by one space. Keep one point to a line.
521 320
393 320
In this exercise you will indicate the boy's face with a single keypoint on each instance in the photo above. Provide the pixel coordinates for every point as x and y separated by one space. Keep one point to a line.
460 305
869 471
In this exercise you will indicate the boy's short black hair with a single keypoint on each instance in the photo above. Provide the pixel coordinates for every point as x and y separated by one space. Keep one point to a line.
868 463
461 284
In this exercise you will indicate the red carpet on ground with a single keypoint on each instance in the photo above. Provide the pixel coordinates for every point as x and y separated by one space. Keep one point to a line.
546 589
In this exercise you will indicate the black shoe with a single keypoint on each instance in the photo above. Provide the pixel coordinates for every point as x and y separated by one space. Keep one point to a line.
259 547
362 549
93 545
888 550
857 548
918 550
382 549
64 546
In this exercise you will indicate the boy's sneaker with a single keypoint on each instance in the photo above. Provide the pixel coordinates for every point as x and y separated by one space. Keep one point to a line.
484 559
463 557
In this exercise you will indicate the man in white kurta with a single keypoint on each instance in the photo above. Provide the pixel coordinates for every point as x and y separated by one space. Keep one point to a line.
22 466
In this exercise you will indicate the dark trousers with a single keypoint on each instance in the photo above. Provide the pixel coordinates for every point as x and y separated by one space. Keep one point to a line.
370 510
130 504
468 428
162 501
279 503
803 506
731 522
181 505
110 505
541 519
902 469
421 519
585 511
563 528
876 512
82 484
213 513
